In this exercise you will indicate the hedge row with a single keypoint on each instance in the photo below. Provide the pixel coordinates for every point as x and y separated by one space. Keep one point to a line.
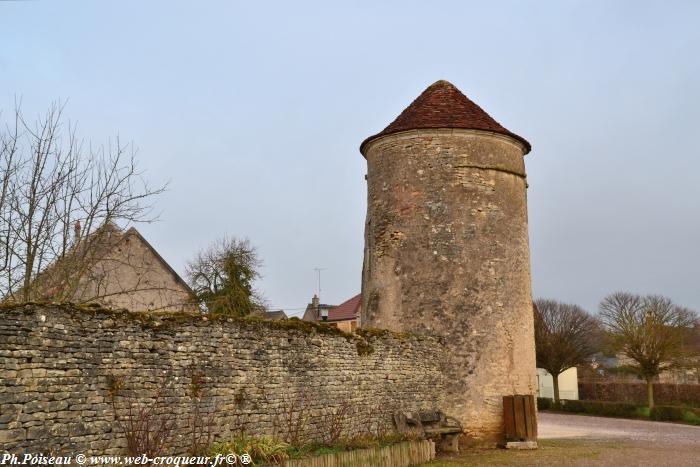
608 409
676 414
623 410
636 392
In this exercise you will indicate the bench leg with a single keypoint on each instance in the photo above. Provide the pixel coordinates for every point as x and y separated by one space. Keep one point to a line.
449 443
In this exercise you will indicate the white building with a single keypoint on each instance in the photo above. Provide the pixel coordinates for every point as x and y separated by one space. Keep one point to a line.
568 384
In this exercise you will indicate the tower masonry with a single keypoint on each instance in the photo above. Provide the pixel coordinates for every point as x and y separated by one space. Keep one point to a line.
447 252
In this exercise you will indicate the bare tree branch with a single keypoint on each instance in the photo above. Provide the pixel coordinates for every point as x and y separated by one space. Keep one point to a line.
56 192
565 336
651 331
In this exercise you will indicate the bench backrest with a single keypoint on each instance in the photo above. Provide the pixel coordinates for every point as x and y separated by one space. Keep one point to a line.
430 417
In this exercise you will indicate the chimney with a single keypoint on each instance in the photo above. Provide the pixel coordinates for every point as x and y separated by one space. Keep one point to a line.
315 302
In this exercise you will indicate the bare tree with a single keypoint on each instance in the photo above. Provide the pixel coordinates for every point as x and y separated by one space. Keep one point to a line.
565 336
9 165
651 331
56 193
222 277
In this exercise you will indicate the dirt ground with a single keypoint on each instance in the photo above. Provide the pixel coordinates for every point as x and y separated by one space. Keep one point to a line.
578 440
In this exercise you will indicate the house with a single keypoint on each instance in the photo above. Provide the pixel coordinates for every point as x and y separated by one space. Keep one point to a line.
274 315
621 368
316 310
345 316
117 269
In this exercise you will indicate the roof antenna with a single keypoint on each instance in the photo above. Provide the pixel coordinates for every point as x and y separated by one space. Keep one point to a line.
318 270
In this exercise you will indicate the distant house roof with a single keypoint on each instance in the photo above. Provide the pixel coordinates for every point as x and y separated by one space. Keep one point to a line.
85 251
133 232
274 315
312 312
347 310
442 105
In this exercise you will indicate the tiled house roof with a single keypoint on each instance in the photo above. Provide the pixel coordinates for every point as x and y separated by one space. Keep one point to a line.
442 105
274 315
346 310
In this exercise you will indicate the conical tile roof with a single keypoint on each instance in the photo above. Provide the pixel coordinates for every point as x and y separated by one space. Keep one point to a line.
442 105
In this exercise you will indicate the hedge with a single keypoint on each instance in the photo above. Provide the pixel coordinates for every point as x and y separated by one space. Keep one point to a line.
622 410
675 414
636 392
544 403
607 409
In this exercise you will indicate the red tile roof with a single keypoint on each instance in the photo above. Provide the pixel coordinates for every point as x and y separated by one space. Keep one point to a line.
442 105
347 310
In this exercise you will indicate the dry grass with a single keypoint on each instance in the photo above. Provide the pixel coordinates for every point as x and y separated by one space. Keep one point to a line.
550 453
578 452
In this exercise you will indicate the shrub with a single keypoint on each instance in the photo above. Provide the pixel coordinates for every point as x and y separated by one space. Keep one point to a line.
262 450
365 441
332 423
544 403
675 414
147 423
666 413
643 411
311 450
691 417
291 423
394 438
201 416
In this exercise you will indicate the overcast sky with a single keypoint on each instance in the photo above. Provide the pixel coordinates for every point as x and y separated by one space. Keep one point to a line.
254 112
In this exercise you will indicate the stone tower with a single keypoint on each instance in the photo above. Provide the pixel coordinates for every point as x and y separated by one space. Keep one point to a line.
446 249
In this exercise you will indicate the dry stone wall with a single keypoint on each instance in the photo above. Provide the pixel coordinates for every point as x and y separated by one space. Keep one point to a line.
65 371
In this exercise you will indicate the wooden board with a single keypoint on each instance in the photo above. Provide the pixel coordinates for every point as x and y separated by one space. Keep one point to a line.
530 418
520 418
519 406
508 416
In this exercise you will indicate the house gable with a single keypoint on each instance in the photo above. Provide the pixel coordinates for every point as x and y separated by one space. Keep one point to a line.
134 276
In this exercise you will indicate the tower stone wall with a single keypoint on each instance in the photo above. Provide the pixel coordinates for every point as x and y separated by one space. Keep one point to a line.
447 252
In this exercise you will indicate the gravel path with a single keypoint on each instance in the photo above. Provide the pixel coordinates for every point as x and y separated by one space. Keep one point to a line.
554 425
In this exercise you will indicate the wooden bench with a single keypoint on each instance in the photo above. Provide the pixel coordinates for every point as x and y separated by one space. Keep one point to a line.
434 425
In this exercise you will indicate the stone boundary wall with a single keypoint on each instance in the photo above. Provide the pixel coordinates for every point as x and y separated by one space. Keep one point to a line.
64 370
